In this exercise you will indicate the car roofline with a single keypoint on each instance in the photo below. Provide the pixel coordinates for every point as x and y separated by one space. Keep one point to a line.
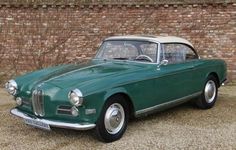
157 39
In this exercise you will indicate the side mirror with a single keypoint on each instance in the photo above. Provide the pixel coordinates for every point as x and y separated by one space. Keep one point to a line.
163 62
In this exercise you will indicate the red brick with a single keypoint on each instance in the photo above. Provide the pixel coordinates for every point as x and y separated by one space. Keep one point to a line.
32 38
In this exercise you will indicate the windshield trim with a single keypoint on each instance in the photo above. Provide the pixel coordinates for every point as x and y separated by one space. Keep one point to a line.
117 60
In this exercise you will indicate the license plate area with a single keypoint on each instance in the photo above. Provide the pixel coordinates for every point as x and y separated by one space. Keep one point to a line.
37 123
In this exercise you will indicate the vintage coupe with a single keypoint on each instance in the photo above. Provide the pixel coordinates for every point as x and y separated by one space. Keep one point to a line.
129 77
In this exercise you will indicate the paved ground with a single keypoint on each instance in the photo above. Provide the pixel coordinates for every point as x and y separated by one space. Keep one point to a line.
183 127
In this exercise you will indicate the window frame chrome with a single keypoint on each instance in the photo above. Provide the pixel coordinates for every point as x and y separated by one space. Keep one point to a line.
159 48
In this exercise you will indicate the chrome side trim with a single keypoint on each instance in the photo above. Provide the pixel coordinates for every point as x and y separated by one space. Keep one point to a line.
166 105
76 126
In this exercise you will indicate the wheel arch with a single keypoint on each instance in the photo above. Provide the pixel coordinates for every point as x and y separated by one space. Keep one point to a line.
126 96
216 76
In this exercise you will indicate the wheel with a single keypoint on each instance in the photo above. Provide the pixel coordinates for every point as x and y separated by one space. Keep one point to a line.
209 93
113 119
144 57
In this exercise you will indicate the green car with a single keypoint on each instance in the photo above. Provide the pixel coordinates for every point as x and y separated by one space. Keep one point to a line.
130 76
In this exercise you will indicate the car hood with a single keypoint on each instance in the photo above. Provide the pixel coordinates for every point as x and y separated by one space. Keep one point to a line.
90 72
67 76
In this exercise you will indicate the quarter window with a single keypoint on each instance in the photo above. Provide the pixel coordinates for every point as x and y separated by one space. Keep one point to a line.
177 53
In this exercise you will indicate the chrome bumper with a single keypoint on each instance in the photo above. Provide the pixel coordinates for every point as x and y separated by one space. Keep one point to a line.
76 126
224 82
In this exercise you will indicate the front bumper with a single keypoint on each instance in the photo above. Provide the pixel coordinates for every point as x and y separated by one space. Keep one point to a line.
52 123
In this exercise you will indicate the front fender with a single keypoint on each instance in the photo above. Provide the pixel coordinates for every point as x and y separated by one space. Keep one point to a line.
97 101
113 91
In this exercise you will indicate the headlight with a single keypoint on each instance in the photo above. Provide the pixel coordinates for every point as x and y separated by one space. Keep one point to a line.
75 97
11 87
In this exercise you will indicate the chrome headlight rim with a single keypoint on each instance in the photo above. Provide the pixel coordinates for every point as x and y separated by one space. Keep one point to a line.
75 97
11 87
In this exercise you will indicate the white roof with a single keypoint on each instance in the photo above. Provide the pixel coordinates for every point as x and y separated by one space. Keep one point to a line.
159 39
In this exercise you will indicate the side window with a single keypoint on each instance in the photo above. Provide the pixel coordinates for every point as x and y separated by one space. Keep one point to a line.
177 53
189 53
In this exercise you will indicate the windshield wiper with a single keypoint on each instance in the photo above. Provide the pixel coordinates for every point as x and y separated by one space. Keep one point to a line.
121 58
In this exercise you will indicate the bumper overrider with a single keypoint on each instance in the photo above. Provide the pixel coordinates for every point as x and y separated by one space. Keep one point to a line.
51 123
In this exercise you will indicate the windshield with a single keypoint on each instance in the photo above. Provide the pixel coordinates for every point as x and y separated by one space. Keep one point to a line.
128 50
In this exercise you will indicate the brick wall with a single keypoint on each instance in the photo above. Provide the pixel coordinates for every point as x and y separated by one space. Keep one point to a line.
33 37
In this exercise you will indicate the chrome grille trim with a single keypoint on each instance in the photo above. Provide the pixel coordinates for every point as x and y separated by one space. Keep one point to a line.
64 110
26 102
37 102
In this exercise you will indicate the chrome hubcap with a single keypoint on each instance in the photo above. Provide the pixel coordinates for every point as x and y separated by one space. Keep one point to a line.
114 118
210 91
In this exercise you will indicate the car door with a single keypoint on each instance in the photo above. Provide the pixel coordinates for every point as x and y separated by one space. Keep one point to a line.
176 79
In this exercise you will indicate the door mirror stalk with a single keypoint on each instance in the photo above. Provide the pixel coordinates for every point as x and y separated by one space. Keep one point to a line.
163 62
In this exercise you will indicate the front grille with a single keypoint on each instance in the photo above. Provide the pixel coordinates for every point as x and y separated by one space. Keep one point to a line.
26 101
37 102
